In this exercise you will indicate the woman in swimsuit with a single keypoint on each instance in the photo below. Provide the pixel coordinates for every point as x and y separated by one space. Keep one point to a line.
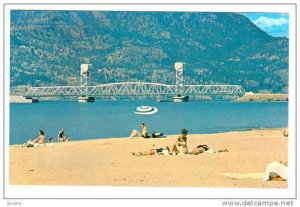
180 146
39 140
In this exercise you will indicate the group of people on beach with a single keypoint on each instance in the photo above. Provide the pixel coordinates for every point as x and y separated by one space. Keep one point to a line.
275 171
179 148
41 139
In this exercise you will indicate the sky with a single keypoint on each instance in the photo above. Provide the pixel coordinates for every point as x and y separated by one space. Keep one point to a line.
275 24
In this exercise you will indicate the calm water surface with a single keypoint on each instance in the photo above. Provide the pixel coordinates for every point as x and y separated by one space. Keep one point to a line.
104 119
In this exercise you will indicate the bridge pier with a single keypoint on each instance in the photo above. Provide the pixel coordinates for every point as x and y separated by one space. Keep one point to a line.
34 100
86 99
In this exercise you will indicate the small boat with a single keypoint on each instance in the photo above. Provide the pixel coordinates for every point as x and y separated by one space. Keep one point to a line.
180 98
85 99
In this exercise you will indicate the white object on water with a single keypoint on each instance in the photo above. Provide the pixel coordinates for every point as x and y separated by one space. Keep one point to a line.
146 110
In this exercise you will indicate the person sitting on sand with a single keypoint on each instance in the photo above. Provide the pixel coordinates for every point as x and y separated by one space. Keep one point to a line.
181 145
39 140
143 134
61 137
158 151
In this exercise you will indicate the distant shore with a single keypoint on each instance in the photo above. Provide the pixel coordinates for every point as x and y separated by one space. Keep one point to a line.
22 99
262 97
109 162
250 97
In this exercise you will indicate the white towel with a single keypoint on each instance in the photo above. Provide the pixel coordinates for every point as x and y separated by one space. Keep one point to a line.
275 169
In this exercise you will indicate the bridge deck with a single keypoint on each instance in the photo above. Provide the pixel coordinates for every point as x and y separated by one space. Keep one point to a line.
133 88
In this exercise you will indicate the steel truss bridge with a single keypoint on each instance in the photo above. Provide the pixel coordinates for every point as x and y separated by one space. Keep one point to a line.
133 88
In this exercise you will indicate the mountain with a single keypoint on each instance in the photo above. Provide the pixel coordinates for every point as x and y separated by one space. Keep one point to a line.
47 48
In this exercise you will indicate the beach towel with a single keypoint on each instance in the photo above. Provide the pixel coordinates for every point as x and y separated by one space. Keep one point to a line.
35 145
211 151
239 176
275 169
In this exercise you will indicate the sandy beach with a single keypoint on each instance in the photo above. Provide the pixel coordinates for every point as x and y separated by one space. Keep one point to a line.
109 162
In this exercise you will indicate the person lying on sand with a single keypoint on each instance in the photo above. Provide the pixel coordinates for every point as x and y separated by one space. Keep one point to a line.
199 149
143 134
158 151
180 147
276 171
205 149
38 141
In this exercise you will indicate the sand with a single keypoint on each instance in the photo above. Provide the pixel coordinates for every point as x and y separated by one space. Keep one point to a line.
109 162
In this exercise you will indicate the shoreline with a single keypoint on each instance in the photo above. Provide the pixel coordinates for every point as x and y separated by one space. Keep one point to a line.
167 136
109 162
253 98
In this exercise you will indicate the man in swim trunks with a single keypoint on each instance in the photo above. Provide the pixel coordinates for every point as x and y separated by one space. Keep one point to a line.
143 134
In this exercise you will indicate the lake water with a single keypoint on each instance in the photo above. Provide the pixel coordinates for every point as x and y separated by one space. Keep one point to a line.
105 119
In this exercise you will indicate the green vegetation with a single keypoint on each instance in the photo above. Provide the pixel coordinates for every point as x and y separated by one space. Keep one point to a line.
47 48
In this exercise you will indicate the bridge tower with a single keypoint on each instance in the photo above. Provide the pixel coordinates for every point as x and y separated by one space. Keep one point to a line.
179 84
85 80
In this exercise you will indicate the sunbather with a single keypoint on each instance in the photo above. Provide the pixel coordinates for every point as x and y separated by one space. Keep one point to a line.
61 137
143 134
158 151
34 142
205 149
181 144
199 149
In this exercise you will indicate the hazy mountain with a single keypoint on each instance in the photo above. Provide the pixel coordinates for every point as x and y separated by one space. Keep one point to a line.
47 48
